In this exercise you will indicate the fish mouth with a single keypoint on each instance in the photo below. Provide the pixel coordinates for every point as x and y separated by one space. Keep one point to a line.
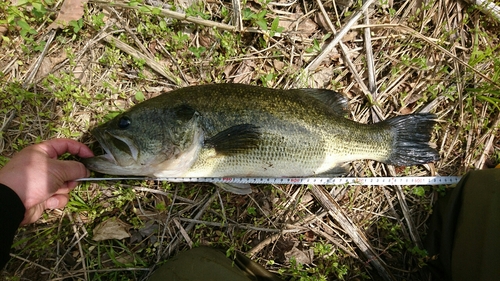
120 144
117 149
108 156
103 143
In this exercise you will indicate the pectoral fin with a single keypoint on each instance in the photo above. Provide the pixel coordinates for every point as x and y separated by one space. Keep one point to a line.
236 139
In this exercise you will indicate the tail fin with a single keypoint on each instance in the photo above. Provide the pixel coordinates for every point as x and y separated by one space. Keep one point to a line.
411 143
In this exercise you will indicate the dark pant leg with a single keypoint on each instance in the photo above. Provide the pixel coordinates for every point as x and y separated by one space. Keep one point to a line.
464 234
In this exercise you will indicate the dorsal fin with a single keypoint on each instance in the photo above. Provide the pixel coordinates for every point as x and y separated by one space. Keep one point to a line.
332 99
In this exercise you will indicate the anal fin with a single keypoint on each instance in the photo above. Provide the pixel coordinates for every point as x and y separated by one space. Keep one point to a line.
236 188
334 172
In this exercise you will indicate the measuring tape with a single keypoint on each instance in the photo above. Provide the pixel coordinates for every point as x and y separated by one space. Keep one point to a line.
439 180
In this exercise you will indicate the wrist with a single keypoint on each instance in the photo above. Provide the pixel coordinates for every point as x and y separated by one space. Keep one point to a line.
11 181
12 194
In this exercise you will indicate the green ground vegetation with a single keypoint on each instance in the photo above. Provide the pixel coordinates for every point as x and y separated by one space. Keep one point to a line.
63 82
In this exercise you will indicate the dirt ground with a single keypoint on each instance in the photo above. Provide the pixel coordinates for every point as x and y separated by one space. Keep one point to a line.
67 66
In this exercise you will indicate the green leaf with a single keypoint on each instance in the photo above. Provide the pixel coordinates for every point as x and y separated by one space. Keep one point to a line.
139 96
419 191
251 211
493 101
262 24
23 25
20 2
156 11
275 24
247 14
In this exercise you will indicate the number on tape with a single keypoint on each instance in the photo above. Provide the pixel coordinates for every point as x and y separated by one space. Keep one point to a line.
322 181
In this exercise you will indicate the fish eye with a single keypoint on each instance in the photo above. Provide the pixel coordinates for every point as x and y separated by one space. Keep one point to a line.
124 122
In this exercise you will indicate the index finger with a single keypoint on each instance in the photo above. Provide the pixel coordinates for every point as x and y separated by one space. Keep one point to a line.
57 147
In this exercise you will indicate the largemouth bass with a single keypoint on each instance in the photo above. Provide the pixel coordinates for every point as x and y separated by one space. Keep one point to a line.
235 130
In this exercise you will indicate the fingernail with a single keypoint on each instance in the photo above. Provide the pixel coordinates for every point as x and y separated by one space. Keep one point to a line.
52 203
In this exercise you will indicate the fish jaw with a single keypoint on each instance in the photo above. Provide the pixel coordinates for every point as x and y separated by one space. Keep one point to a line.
106 164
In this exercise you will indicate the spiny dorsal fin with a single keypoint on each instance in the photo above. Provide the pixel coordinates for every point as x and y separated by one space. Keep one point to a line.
235 139
332 99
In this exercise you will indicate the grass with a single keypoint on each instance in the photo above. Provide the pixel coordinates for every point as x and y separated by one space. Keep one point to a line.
446 55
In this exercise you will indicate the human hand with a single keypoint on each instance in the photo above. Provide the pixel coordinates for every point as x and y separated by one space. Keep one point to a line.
41 180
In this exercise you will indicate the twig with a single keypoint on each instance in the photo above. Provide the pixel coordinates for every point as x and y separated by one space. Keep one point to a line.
137 42
183 233
170 14
31 75
162 70
414 33
358 237
489 144
78 239
165 228
314 64
406 211
7 120
335 242
237 19
345 52
271 239
33 263
166 194
242 226
81 271
190 226
174 61
60 258
487 7
394 213
370 65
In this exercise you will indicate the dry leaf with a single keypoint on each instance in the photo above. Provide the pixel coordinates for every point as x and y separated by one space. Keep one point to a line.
48 64
3 29
125 258
304 27
278 65
244 71
302 257
229 69
322 78
112 228
70 10
350 36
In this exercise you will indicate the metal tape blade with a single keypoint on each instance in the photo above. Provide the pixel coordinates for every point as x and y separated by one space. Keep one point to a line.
436 180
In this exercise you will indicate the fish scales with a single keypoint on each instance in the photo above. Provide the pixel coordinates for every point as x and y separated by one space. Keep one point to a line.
313 132
240 130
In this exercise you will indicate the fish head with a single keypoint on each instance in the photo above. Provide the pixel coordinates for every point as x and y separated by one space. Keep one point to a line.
145 139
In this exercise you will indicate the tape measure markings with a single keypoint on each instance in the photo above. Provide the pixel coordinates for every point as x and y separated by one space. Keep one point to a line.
437 180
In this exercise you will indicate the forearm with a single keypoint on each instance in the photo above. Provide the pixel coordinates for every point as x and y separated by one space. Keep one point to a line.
11 214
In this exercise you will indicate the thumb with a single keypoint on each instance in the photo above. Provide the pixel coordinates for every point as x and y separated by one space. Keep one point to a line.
70 170
57 201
